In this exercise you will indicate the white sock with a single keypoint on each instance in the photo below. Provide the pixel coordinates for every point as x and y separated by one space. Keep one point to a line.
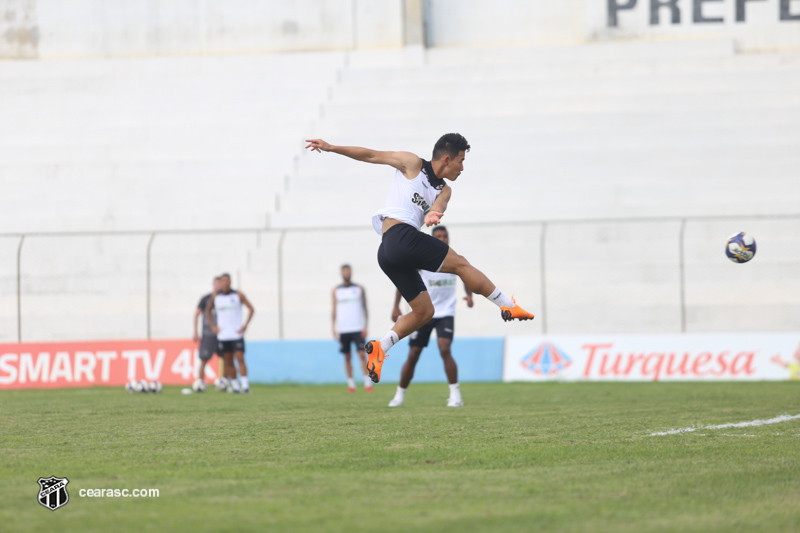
235 384
500 299
400 394
389 340
245 383
351 383
455 391
367 382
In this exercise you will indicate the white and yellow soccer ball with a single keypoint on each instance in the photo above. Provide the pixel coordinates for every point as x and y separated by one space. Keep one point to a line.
198 386
741 247
130 386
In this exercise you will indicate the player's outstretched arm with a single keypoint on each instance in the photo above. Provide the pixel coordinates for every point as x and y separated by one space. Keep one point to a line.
250 308
333 317
433 217
210 318
406 162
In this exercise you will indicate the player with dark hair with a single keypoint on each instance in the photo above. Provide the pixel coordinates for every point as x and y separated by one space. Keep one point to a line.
208 342
419 195
230 329
349 322
442 289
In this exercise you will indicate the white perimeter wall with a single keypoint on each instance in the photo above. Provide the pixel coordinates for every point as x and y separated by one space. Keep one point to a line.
49 29
756 25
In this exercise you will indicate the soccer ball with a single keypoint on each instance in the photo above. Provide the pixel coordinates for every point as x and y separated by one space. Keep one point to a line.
221 384
143 386
155 387
131 386
198 386
740 247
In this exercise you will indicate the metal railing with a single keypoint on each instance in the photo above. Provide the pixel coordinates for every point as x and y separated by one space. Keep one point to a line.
282 232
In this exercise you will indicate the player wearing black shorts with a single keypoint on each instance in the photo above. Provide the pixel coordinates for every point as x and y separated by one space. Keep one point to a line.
442 289
349 323
419 195
207 344
230 329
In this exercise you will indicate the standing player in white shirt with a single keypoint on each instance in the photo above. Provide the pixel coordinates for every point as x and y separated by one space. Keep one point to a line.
442 288
419 195
229 328
349 322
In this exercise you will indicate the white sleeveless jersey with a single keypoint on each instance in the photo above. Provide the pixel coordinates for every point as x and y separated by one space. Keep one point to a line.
442 290
409 200
349 308
229 316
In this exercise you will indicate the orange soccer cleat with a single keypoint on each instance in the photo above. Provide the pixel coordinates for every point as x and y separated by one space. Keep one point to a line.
510 313
375 358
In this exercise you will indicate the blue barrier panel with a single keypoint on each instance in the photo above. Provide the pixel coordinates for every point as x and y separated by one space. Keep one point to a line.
319 361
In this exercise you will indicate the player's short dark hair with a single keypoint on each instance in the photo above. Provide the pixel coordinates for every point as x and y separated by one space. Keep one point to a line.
223 275
440 228
217 278
345 266
450 144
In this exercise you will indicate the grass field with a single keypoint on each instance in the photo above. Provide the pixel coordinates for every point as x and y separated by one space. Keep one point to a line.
517 457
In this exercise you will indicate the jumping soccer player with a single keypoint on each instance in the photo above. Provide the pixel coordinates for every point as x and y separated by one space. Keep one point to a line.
419 195
442 289
349 322
208 342
230 330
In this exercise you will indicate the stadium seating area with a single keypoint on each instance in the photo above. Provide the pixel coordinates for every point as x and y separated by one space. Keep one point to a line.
559 134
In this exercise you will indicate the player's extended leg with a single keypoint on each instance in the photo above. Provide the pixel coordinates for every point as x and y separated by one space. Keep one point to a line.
406 375
201 374
239 356
348 368
478 283
230 371
421 313
362 356
451 369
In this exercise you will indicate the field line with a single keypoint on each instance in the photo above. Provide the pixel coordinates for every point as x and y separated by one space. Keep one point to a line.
762 422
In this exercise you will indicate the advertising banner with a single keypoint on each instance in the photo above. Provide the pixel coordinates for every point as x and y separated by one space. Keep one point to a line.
678 357
83 364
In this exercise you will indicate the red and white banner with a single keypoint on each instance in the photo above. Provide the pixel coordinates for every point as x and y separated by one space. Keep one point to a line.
686 357
83 364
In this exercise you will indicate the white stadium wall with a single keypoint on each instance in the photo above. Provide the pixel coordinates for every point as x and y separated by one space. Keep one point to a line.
138 134
754 25
51 29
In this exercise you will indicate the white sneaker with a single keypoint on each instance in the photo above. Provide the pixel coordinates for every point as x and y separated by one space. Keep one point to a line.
454 402
396 402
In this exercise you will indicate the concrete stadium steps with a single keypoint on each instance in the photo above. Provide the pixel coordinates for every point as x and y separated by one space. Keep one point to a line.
154 143
141 195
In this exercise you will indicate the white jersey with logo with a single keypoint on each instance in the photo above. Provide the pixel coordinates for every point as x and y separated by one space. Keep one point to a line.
408 201
349 308
442 290
229 316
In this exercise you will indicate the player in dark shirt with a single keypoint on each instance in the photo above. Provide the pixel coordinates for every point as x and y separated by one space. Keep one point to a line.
208 342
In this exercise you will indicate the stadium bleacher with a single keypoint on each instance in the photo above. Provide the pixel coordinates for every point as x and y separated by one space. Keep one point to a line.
599 131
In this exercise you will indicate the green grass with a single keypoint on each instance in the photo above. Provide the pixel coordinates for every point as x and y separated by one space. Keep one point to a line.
517 457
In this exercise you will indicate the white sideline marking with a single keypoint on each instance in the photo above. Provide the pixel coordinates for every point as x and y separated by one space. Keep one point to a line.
764 422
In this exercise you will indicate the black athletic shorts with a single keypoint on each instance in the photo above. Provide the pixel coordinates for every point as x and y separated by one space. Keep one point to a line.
346 339
208 346
230 346
444 330
404 250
